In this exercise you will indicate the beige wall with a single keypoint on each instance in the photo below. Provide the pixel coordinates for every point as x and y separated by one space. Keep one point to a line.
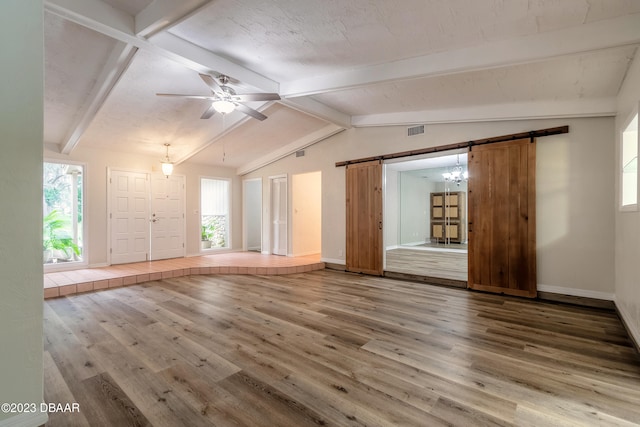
98 161
391 212
575 175
575 178
627 242
21 110
415 215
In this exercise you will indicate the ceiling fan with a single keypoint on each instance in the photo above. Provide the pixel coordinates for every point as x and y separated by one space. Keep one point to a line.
224 99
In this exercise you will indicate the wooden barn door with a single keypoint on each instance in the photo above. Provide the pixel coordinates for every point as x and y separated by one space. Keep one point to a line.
502 221
364 218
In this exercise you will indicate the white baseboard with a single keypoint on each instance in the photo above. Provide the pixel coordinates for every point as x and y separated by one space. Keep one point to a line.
254 248
392 247
576 292
419 242
98 265
628 322
333 261
26 419
265 253
306 253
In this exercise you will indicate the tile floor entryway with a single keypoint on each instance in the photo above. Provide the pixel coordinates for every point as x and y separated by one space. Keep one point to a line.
62 283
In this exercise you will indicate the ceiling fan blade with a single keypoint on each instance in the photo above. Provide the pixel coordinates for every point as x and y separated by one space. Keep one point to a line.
188 96
250 112
208 112
211 82
246 97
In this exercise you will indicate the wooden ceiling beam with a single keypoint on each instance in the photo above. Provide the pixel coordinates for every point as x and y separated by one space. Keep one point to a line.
117 63
161 15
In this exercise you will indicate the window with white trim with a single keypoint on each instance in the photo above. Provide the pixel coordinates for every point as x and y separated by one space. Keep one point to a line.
62 213
215 201
629 165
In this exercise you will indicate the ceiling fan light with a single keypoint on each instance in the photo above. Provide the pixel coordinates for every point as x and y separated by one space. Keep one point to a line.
222 106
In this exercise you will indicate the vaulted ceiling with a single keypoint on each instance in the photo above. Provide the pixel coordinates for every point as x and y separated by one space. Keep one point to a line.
335 63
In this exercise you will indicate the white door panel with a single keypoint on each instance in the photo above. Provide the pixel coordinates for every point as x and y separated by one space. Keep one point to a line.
167 217
129 216
279 216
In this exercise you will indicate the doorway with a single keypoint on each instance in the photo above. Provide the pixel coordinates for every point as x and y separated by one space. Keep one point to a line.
146 216
252 214
306 214
279 223
425 217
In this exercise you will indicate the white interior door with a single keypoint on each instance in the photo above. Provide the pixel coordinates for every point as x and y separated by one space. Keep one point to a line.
129 216
167 217
279 216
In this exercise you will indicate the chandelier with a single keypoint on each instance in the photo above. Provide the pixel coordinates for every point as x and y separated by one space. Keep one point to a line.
457 175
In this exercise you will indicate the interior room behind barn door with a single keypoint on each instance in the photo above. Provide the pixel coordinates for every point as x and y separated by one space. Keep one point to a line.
425 217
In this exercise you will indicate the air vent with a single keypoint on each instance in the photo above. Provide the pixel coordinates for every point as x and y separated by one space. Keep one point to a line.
300 153
416 130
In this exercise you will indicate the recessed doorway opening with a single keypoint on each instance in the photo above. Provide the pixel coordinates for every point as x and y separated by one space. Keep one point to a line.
425 216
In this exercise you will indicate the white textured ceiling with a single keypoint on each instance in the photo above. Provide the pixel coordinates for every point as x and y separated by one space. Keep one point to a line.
564 78
255 139
288 39
335 63
132 7
74 56
433 161
133 116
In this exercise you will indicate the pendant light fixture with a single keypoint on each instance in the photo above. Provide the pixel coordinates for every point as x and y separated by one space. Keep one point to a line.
167 165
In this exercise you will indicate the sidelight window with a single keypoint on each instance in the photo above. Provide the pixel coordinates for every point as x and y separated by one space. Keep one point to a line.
215 201
63 213
629 165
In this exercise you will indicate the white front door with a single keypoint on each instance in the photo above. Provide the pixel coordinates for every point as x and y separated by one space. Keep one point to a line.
167 217
279 216
129 216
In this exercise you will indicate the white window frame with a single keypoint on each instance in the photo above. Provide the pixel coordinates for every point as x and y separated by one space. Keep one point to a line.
48 268
634 206
228 246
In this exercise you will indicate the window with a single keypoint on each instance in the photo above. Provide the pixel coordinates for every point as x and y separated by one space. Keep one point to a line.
214 213
62 225
629 152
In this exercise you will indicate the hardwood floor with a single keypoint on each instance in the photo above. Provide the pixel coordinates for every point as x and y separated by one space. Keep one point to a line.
420 262
331 348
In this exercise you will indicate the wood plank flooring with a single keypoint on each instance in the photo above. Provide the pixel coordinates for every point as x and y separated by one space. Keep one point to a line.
430 263
330 348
